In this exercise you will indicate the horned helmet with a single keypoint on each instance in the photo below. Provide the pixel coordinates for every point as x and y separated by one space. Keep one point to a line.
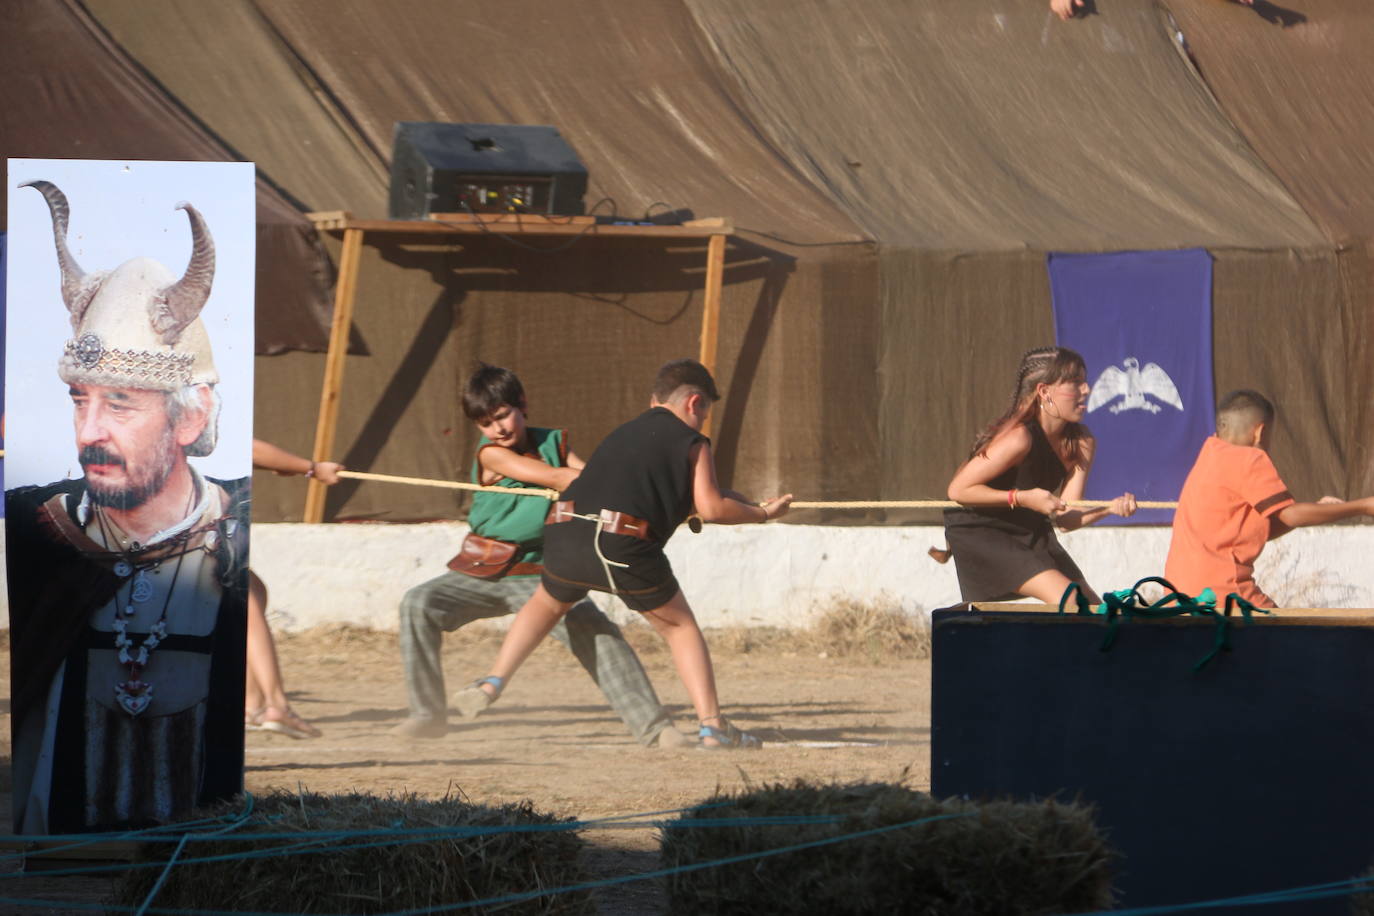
136 326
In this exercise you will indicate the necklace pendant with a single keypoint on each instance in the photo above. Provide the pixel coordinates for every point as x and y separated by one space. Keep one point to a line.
133 695
124 569
142 588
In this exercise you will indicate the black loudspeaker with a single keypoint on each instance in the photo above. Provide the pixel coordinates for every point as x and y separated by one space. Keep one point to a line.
483 168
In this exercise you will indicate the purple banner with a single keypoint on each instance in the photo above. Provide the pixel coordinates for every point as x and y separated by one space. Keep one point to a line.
2 364
1143 322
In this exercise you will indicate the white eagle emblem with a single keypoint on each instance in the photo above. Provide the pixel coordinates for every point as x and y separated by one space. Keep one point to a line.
1131 385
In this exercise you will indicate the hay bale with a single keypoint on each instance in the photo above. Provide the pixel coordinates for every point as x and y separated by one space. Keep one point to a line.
996 858
1362 902
362 875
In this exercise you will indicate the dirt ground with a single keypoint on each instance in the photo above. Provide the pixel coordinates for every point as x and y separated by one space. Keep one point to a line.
552 739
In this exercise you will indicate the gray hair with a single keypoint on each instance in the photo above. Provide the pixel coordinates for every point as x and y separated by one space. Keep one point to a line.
187 399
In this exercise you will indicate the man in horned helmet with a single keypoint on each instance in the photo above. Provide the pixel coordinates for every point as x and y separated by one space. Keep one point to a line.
127 585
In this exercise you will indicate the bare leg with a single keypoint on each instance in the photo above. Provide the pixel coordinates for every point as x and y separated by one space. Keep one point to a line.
263 672
532 623
677 625
1049 586
264 696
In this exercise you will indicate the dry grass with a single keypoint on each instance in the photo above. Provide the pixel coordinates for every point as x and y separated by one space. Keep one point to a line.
877 629
477 857
841 627
995 858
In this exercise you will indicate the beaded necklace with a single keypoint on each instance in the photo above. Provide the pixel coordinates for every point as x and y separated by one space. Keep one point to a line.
135 694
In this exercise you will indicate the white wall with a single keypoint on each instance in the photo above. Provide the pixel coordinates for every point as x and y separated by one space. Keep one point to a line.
774 574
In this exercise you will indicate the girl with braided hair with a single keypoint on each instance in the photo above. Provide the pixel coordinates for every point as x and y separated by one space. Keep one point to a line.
1025 470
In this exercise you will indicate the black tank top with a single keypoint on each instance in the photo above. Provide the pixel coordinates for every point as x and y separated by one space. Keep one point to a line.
1040 468
642 468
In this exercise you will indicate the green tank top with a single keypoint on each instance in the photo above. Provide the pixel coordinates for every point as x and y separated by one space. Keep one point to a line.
518 519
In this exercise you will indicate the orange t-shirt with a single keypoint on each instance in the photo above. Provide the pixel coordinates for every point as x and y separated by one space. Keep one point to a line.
1222 521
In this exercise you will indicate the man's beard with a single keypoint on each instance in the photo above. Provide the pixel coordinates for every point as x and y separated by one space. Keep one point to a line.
141 484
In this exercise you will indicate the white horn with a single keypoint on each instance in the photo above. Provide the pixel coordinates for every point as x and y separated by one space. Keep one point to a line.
72 274
181 302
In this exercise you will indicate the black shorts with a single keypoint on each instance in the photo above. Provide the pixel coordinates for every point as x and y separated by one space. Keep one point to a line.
571 567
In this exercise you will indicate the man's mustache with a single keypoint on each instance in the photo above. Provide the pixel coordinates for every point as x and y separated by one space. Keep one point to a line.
95 454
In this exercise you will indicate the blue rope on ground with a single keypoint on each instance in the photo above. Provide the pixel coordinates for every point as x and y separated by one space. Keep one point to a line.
162 878
146 835
216 828
1289 895
310 844
398 837
532 895
226 823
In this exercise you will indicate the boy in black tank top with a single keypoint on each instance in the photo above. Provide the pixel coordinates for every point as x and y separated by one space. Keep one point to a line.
608 530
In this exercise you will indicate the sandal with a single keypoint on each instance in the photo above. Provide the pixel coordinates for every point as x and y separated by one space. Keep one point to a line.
726 737
289 724
252 719
472 699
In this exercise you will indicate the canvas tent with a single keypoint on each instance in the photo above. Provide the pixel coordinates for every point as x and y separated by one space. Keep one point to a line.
73 93
896 173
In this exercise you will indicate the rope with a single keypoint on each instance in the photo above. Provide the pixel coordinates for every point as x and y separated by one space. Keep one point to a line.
796 504
449 484
651 820
521 896
951 504
1129 602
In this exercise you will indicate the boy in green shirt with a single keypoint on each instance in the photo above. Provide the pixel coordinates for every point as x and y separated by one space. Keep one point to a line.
499 568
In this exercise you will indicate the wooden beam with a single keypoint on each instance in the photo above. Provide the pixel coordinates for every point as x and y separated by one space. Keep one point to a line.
519 224
512 219
710 312
326 220
339 332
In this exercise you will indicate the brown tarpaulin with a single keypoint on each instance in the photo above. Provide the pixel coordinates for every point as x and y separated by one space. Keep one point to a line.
1298 80
970 139
897 171
635 92
983 126
72 93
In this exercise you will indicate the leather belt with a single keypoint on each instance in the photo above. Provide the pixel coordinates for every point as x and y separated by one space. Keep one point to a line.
612 522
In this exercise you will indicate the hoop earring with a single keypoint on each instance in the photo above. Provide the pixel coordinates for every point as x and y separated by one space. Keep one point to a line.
1045 406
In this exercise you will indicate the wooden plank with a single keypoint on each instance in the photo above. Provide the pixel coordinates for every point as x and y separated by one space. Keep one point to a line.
1302 616
710 312
508 219
520 224
329 219
710 222
339 331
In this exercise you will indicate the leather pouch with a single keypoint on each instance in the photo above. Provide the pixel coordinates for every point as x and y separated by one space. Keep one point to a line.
485 558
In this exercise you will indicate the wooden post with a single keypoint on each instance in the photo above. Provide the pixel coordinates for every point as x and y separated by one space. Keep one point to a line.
710 314
339 332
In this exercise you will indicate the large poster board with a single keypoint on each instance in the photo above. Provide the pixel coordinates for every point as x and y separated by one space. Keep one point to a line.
129 342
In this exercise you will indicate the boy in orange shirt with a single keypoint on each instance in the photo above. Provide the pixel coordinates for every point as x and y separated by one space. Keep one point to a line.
1234 502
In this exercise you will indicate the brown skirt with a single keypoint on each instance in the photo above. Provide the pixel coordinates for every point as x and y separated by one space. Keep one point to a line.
993 557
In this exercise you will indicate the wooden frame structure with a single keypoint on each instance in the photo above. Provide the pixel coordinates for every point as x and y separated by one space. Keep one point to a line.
353 232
